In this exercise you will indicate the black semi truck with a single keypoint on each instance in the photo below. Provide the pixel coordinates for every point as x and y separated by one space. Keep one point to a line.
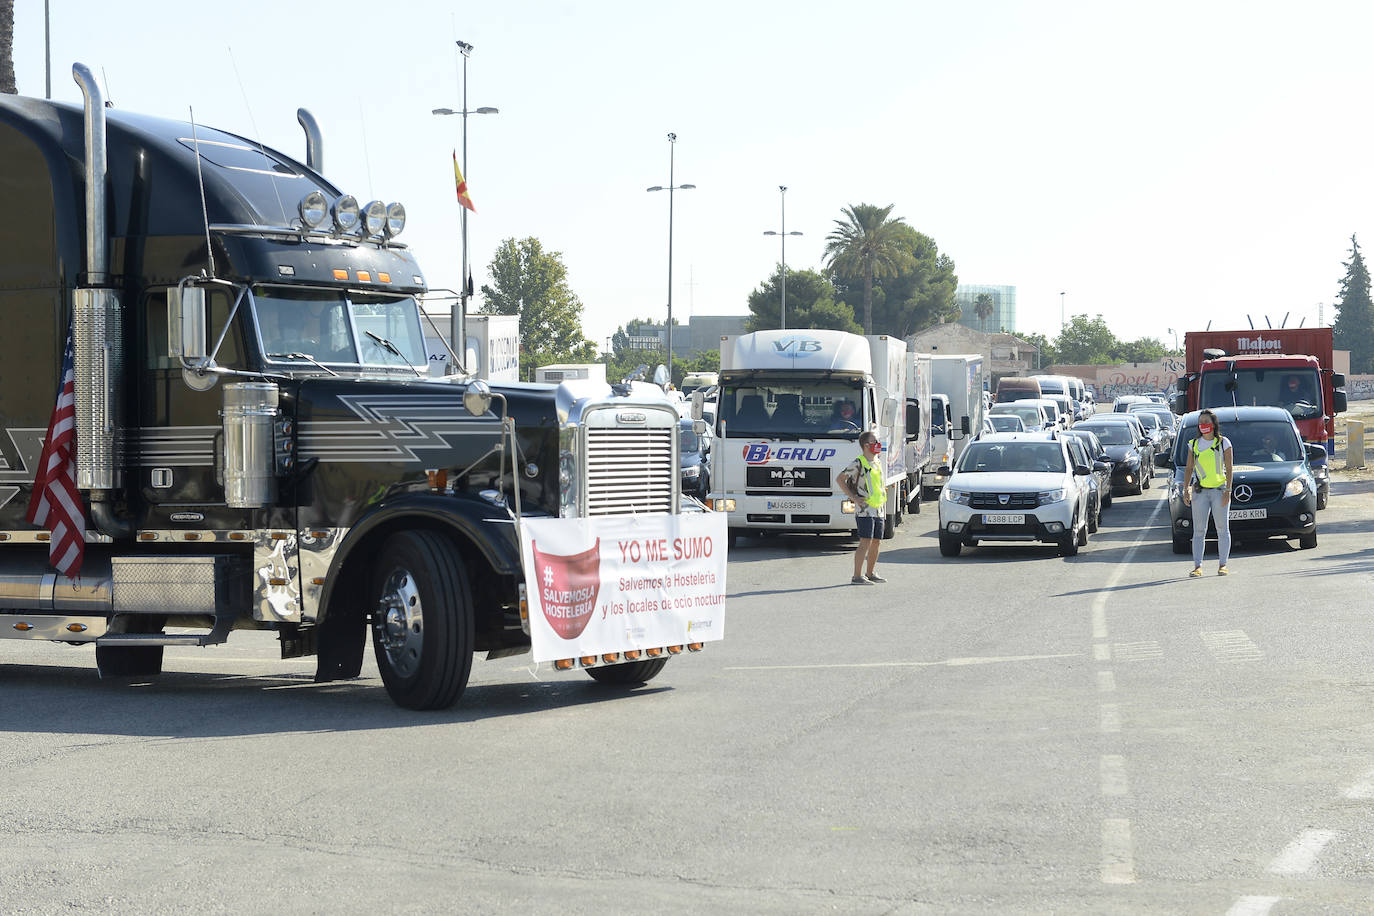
258 443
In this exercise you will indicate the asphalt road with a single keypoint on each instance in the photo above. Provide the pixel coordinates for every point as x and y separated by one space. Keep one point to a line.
1007 732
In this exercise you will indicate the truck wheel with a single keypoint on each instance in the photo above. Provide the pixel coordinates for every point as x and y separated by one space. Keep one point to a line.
1182 544
1307 541
422 627
628 673
949 545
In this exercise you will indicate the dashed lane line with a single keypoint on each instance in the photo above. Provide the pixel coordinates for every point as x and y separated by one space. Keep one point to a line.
1118 857
946 663
1253 906
1299 856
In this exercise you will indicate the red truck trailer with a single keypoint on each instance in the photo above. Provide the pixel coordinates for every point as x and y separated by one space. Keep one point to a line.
1285 367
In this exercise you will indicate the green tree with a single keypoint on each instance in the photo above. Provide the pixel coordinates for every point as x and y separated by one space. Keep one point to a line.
810 304
1085 342
7 83
865 245
533 283
919 295
1353 328
1144 350
982 307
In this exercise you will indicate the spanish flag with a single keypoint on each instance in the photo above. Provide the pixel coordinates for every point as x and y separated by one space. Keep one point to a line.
463 198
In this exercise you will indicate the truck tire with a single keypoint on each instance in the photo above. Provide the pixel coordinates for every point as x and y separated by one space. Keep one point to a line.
949 545
629 673
422 626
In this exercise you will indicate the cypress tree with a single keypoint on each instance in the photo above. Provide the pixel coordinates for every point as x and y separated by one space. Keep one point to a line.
1354 326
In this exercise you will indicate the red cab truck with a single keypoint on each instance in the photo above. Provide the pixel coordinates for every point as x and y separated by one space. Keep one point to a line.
1285 367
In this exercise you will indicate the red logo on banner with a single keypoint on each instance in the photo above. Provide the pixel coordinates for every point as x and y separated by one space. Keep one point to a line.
568 587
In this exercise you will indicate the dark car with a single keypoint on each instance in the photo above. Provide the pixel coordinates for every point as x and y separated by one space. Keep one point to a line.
1100 461
1098 480
1273 493
1131 451
696 459
1169 422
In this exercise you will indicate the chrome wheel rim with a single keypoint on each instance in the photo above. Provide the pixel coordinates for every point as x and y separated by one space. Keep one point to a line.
400 623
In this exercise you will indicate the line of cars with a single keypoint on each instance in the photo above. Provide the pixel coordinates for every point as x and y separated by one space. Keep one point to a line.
1049 484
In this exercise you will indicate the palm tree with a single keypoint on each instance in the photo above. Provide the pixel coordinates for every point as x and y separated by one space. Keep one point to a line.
7 47
982 307
865 244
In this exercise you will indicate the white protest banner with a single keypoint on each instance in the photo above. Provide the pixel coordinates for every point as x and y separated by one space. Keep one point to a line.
618 582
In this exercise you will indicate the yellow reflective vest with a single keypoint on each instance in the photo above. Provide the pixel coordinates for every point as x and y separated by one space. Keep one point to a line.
1207 463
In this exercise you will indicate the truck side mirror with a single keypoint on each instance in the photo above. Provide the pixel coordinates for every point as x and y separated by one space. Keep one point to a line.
889 412
1338 401
186 323
913 420
699 427
698 404
1338 380
1179 404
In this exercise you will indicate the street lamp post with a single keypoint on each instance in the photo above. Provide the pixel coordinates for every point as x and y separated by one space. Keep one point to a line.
1061 311
670 188
460 331
1175 333
782 231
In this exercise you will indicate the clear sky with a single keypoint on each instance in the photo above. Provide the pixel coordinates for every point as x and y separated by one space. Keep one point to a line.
1164 165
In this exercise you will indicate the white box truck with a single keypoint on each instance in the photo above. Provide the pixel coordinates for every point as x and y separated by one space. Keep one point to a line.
791 407
959 378
492 350
920 444
558 373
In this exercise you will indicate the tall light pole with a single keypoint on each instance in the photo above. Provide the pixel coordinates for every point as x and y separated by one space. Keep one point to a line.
1175 333
782 231
1061 311
459 332
670 188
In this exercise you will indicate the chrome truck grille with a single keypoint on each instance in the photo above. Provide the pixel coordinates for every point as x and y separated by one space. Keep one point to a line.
630 470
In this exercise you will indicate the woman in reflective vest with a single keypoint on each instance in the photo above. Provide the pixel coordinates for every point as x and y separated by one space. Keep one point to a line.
1207 489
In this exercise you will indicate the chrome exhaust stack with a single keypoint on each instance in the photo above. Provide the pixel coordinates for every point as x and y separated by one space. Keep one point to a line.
314 140
97 325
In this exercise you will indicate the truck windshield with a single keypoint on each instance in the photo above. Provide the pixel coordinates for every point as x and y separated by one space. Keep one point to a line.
1295 390
801 408
336 328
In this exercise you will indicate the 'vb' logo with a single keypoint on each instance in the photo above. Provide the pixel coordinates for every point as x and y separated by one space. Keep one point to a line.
796 347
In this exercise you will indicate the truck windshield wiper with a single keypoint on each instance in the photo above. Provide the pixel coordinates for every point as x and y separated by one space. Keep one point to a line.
390 347
305 356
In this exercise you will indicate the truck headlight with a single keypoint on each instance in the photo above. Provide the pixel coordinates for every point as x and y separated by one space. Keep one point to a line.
723 505
1047 497
949 494
848 508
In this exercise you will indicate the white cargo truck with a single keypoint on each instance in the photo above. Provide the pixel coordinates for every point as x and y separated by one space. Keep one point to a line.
959 378
791 407
558 373
919 450
492 349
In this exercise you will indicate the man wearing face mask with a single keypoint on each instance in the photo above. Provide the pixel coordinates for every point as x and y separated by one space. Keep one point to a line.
1207 489
862 482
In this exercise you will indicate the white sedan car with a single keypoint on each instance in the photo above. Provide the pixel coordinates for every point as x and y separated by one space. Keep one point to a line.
1016 487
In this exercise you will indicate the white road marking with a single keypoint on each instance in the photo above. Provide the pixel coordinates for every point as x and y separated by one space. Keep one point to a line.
1106 681
1299 856
1113 769
1099 618
1143 651
1364 788
1253 906
1111 718
947 663
1102 652
1231 646
1118 865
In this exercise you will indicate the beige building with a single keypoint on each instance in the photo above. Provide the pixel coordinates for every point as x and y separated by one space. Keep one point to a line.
1003 354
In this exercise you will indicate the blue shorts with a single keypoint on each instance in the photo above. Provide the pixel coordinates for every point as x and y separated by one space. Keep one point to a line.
870 528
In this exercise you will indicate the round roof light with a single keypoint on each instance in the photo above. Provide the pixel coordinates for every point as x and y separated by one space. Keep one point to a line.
314 209
374 217
346 213
395 220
